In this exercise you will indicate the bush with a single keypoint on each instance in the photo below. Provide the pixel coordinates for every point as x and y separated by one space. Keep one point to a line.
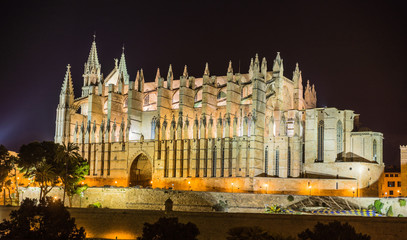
95 205
48 219
390 212
221 206
290 198
378 205
169 229
327 231
402 202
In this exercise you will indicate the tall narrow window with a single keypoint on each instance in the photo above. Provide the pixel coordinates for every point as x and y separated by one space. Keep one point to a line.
339 137
266 160
153 122
222 163
374 150
214 162
321 141
277 162
289 162
198 165
166 162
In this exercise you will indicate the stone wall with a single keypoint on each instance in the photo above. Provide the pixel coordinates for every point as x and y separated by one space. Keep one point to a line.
192 201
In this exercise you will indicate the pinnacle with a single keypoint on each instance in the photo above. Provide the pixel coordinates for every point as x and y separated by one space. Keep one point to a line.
157 76
67 86
169 75
185 74
230 69
206 72
257 58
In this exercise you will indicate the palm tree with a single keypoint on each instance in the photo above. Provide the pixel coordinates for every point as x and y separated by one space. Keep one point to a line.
45 175
72 166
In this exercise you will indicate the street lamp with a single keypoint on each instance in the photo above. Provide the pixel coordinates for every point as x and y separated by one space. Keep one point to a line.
232 187
189 185
309 187
267 188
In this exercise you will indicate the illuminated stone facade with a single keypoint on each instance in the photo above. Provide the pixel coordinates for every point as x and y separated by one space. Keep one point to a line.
239 132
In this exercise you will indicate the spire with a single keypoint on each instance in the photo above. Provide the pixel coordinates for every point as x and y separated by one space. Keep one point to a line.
185 73
67 86
229 74
206 72
123 68
157 76
93 60
297 68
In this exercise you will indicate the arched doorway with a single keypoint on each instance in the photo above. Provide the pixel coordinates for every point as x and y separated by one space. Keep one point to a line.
140 172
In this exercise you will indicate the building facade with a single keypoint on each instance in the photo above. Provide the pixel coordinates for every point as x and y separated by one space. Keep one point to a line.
391 185
255 132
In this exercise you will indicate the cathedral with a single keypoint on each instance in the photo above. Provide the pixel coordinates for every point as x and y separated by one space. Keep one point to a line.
257 132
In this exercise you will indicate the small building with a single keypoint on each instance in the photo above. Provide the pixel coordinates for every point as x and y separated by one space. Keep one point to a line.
391 184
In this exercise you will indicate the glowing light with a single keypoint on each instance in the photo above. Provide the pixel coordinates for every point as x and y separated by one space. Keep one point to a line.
83 183
55 197
189 182
18 178
309 186
232 184
266 185
115 182
151 182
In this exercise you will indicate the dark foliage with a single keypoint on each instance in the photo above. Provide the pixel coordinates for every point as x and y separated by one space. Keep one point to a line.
169 229
252 233
333 230
47 220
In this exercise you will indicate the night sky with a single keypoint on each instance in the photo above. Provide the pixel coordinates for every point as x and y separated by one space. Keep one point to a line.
354 52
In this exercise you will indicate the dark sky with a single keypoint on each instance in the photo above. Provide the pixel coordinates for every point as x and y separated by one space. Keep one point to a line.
355 52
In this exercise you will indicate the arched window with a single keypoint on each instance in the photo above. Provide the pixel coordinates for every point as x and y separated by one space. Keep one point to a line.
214 162
374 150
321 141
277 162
221 95
266 160
147 100
289 162
339 137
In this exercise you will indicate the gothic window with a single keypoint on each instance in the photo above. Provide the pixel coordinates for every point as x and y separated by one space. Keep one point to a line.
214 162
276 173
125 105
147 100
166 162
374 150
249 126
222 163
266 160
153 122
320 141
289 162
339 137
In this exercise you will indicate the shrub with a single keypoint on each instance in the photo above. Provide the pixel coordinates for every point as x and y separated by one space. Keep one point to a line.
378 205
221 206
290 198
327 231
169 229
402 202
390 212
95 205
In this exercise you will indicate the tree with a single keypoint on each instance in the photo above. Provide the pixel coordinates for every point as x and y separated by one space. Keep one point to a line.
6 166
73 169
169 229
47 220
333 230
38 162
252 233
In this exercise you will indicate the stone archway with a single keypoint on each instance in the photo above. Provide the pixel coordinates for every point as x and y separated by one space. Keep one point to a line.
140 172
